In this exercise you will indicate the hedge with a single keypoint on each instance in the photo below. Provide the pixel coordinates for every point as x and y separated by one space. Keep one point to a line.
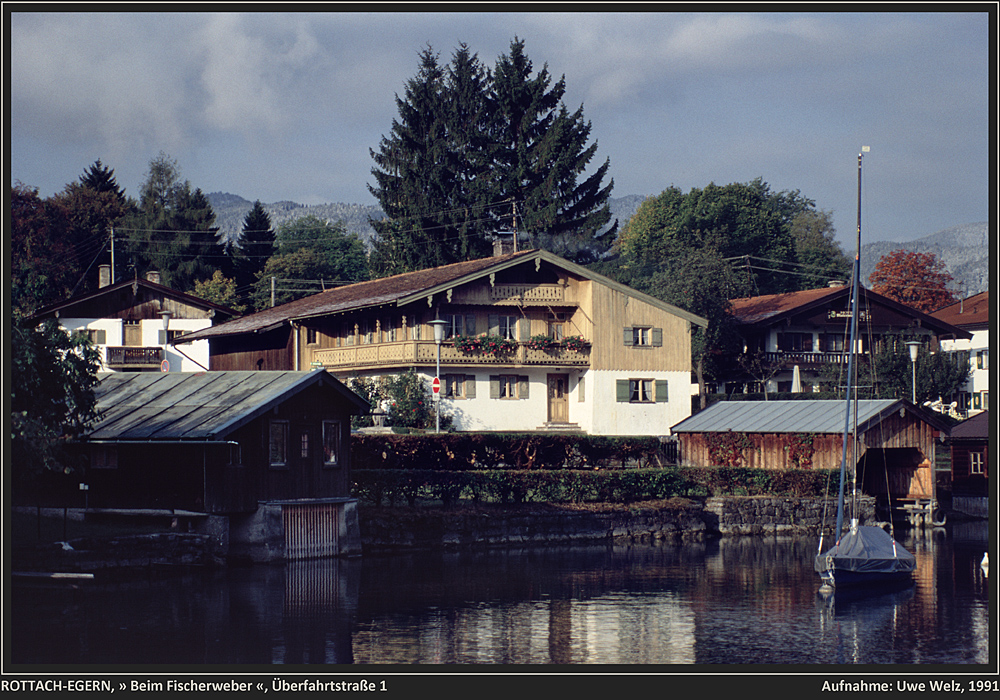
465 451
398 486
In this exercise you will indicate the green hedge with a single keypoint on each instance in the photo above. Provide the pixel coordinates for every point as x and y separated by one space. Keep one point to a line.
465 451
399 486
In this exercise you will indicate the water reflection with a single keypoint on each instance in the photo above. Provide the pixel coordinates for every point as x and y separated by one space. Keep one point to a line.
731 601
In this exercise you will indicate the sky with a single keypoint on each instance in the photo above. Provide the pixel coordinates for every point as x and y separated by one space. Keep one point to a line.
286 106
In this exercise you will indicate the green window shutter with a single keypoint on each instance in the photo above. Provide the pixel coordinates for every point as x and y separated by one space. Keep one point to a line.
494 321
627 337
524 328
522 387
494 386
656 337
470 324
661 395
101 337
621 390
470 386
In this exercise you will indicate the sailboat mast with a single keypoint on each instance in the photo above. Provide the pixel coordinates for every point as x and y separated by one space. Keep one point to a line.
855 291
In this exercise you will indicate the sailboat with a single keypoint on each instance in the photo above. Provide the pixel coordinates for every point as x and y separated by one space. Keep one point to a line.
865 554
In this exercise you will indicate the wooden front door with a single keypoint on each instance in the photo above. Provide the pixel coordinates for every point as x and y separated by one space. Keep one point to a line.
558 403
305 461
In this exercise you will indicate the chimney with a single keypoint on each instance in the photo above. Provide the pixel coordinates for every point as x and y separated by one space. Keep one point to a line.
103 275
153 276
836 283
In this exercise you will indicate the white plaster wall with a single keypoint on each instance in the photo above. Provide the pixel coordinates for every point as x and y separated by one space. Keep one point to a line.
197 352
980 379
610 417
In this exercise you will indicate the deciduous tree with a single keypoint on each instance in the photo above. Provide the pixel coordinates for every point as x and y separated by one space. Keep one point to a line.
918 280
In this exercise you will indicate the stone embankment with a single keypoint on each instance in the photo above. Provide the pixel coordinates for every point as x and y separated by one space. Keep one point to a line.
397 528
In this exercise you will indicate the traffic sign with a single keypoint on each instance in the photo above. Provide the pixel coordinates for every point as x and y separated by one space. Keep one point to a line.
436 386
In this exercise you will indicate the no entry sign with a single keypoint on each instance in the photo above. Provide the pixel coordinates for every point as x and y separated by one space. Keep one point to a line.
436 386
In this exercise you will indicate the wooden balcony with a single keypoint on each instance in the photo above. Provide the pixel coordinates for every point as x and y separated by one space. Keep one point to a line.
134 357
424 353
806 359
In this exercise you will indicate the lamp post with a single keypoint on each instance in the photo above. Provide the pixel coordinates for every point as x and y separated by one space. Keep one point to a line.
914 346
165 315
438 326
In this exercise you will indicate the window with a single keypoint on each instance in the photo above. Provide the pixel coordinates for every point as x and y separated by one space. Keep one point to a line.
642 391
455 325
278 444
311 336
642 336
162 338
331 443
975 462
304 444
459 386
982 359
506 327
367 332
833 342
104 457
795 342
508 386
388 331
414 322
96 337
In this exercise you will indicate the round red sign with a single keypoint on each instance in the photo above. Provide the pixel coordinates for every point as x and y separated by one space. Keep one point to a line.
436 385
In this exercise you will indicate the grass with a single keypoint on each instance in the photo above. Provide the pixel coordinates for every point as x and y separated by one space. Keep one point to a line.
28 529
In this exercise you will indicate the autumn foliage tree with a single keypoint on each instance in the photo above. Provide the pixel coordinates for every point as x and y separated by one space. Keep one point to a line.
918 280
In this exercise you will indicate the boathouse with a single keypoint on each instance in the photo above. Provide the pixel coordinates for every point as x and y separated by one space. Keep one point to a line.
263 457
969 444
896 444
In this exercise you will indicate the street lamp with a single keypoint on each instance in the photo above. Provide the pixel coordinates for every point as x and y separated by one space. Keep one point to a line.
914 346
165 315
438 326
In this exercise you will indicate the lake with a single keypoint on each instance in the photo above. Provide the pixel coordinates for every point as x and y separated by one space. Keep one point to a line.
730 601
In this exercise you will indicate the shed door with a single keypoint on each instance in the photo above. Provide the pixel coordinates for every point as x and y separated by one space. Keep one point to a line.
132 333
306 451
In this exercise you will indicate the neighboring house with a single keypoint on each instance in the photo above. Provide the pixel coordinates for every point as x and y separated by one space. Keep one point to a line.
971 315
970 471
268 451
896 444
790 338
582 352
131 323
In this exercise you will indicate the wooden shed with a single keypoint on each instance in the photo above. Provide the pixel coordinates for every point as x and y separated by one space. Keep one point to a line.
970 449
267 451
896 442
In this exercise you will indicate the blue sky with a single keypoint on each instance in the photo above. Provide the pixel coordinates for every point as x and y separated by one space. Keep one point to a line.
286 106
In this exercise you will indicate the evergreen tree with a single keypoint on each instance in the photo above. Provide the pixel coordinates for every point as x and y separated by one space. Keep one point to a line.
101 178
254 246
475 152
542 150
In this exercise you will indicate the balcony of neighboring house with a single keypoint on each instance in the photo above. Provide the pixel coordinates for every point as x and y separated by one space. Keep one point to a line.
126 358
424 352
787 360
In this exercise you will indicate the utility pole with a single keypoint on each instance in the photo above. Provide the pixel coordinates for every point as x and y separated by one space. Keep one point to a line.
112 255
272 291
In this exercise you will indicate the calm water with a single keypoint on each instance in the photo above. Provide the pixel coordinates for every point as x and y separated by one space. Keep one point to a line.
732 601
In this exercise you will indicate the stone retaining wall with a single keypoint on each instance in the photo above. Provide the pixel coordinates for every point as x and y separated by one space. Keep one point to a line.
387 529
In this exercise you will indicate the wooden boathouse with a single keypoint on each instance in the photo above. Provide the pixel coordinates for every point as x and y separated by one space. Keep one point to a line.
897 442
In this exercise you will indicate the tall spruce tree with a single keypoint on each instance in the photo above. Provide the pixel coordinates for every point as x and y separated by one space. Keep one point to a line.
542 151
253 248
475 152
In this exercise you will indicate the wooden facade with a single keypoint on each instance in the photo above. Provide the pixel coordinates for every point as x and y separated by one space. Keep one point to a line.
896 446
381 327
221 445
970 451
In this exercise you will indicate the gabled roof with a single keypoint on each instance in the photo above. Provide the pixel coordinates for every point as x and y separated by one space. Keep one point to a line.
973 312
151 406
805 416
406 288
769 309
60 308
975 428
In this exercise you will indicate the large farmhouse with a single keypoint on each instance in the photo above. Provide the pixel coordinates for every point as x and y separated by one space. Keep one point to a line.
531 341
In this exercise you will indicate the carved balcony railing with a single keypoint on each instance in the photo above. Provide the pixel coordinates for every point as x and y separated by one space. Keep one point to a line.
424 352
134 357
789 359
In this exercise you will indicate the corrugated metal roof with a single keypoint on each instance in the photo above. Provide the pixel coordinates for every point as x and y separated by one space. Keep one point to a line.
782 416
194 405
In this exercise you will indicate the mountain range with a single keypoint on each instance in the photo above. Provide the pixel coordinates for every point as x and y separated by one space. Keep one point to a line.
963 249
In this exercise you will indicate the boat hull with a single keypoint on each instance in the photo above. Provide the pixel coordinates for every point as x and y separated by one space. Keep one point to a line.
865 555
